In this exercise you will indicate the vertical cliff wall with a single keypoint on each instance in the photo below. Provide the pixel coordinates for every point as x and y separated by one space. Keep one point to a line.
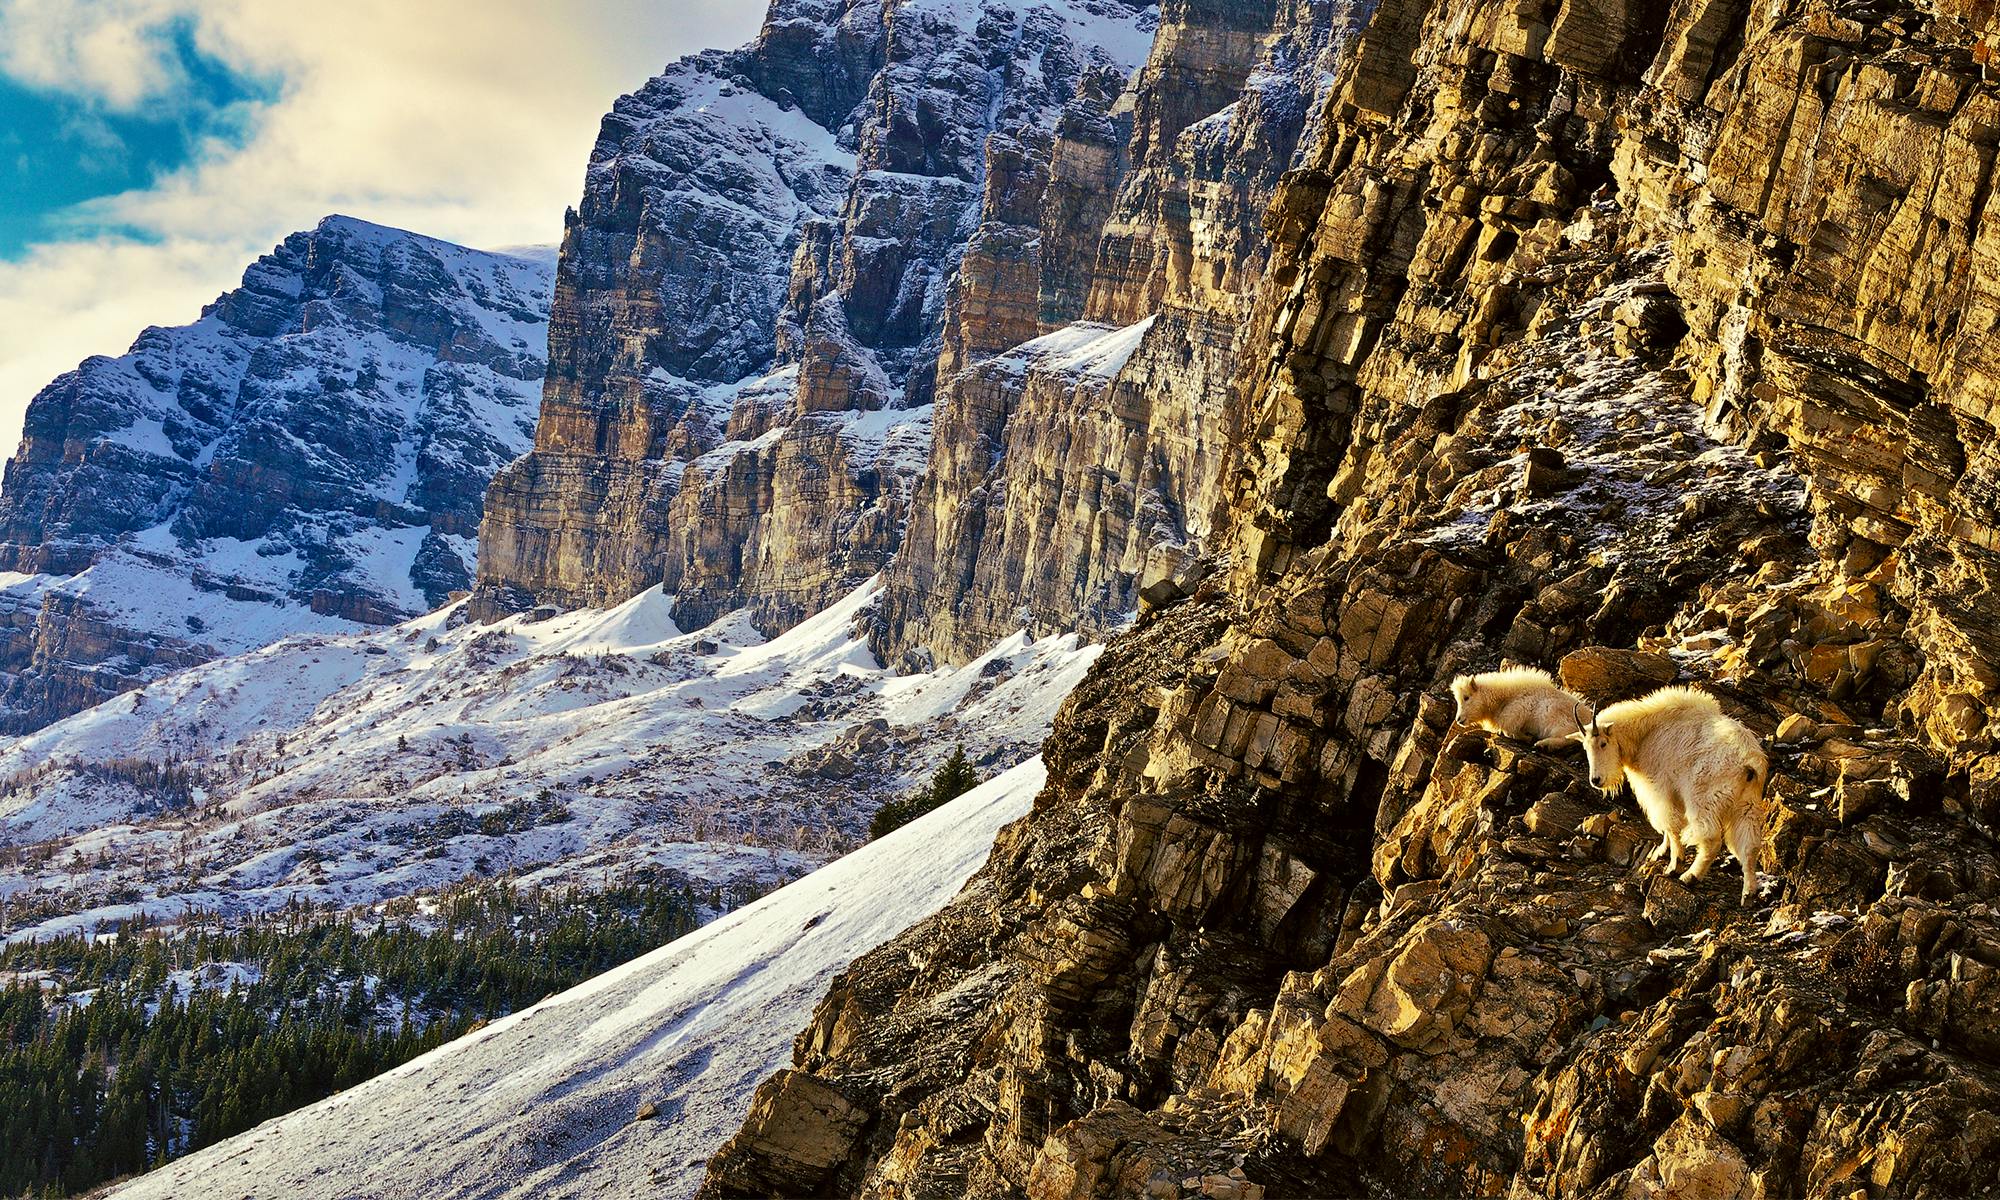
312 453
671 278
982 336
1070 471
1646 342
751 306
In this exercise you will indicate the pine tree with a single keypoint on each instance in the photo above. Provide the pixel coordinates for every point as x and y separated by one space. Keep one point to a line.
953 778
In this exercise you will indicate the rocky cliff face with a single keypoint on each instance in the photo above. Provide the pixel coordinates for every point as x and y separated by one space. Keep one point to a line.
1646 342
751 305
982 336
309 455
1071 471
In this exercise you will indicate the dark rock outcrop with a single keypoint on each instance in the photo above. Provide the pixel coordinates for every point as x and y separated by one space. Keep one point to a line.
313 452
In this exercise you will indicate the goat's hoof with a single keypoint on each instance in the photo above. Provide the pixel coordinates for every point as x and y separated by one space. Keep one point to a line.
1690 876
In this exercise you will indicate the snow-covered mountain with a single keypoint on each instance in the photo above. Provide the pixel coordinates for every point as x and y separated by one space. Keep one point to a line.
762 261
862 221
308 456
547 1102
574 748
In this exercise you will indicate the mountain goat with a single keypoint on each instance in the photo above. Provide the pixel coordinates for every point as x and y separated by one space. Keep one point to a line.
1697 774
1519 702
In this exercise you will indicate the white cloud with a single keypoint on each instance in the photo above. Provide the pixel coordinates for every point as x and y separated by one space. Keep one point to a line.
99 148
115 51
464 119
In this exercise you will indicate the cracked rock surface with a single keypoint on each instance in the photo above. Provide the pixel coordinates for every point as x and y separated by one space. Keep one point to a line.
1637 342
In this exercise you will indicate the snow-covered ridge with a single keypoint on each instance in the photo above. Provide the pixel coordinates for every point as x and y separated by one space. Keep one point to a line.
544 1103
352 768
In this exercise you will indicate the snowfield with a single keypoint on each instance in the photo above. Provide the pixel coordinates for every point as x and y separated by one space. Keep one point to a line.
590 747
544 1103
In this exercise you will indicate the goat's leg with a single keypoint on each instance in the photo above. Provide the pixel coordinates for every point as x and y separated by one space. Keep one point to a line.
1744 834
1705 851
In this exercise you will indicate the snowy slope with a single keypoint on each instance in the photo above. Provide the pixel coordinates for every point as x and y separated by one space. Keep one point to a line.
1082 349
597 743
543 1103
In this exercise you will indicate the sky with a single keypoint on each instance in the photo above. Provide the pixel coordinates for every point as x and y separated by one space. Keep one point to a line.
151 149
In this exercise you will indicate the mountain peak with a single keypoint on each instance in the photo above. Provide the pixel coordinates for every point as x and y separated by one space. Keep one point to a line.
343 224
309 454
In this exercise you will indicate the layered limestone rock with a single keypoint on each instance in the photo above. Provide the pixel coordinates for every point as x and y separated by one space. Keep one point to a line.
751 306
671 279
1070 471
311 453
1615 340
1003 185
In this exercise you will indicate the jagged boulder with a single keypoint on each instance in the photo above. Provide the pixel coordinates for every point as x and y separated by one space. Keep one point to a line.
1604 675
804 1129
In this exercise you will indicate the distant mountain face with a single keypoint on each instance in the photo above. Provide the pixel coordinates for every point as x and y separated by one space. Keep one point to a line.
800 323
756 296
308 456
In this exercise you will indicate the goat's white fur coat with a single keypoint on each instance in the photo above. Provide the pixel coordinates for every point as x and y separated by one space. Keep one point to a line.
1519 702
1697 774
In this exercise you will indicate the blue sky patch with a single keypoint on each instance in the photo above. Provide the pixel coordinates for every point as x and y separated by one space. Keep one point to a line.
59 150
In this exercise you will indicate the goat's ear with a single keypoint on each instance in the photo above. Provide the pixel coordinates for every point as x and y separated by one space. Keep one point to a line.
1471 683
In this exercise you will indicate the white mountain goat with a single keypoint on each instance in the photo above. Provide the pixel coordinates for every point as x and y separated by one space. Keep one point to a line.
1517 702
1697 774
